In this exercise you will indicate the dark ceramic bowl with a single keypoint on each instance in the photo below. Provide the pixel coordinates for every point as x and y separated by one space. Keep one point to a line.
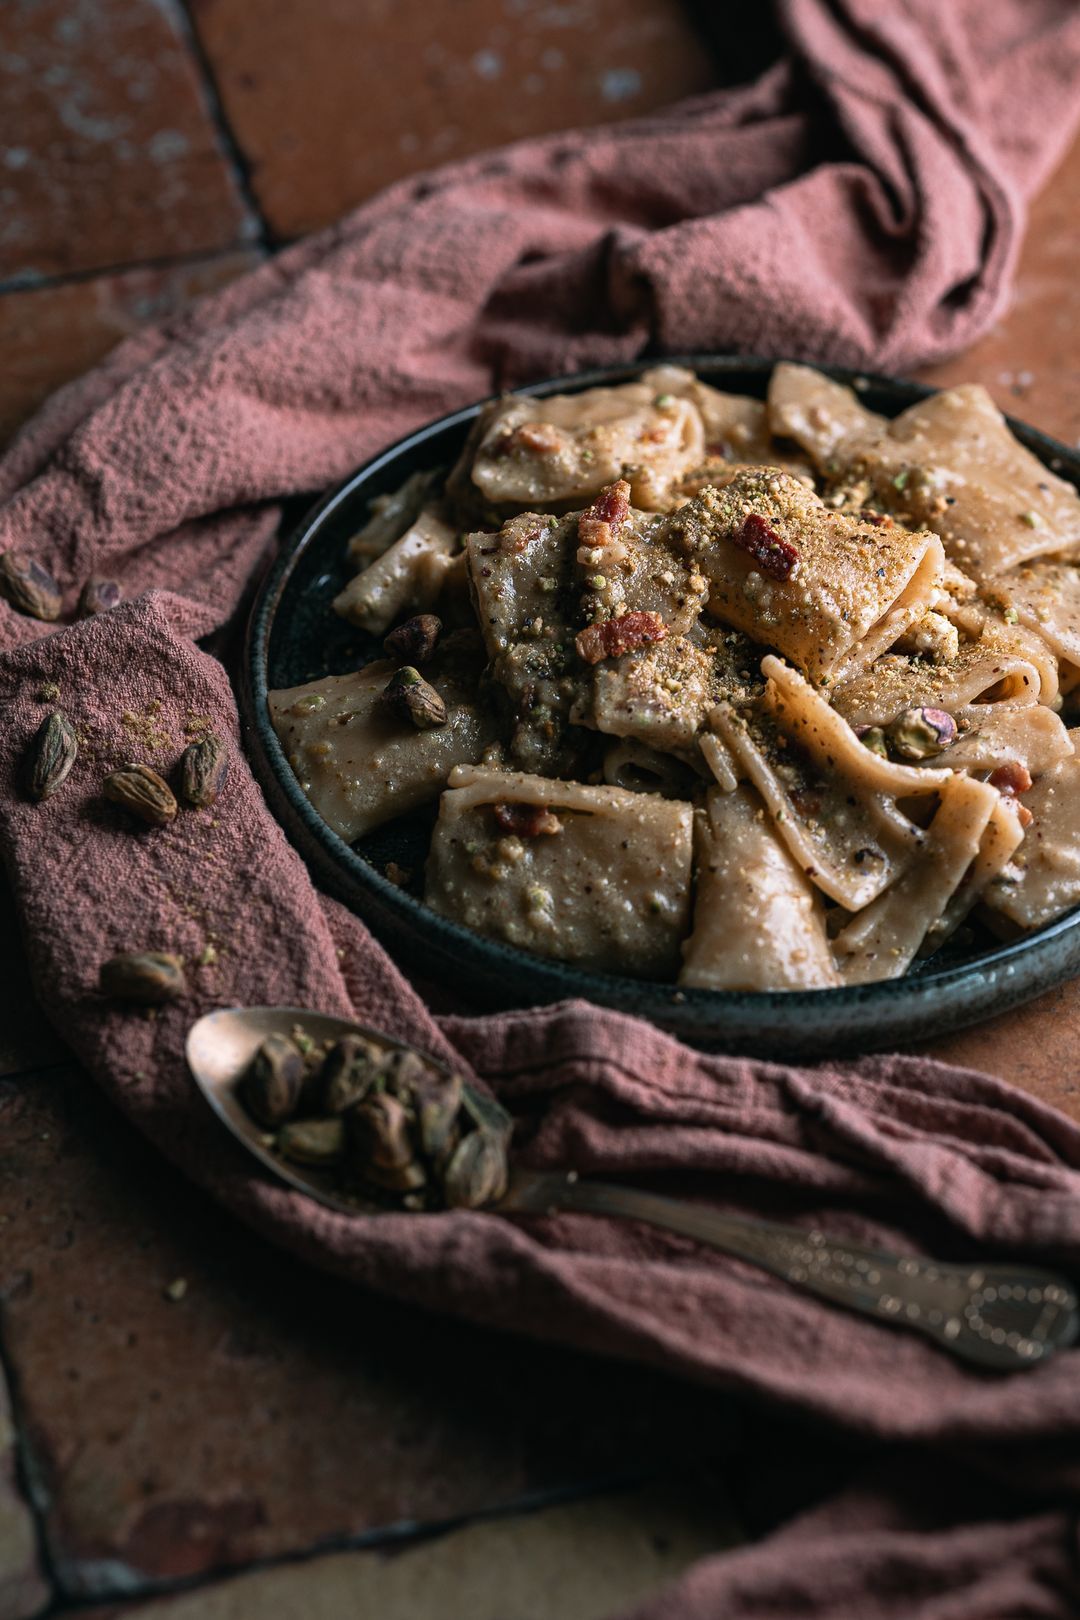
293 636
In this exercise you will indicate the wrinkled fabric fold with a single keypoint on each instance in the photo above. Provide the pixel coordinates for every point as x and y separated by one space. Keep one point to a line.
862 203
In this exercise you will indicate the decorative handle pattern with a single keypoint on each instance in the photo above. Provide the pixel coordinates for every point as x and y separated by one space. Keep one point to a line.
1005 1317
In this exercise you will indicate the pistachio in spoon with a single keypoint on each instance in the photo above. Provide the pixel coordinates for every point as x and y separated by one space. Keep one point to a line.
350 1115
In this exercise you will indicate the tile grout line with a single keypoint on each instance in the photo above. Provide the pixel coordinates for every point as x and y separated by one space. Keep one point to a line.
233 151
27 1475
399 1536
23 282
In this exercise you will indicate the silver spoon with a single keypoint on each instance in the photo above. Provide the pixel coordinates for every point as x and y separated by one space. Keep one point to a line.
1005 1317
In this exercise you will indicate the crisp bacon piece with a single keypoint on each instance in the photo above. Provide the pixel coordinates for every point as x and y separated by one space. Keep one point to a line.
807 803
611 638
538 438
526 820
597 525
773 554
1011 778
534 438
521 539
612 505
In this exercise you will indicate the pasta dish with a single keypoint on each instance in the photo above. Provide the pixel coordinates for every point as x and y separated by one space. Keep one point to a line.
729 693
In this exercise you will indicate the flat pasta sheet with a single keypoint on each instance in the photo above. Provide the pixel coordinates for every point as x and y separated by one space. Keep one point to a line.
759 923
594 875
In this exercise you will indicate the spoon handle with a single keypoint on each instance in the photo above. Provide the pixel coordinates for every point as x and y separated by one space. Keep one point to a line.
1004 1317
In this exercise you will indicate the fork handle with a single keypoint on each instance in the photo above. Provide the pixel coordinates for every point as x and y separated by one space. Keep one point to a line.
1005 1317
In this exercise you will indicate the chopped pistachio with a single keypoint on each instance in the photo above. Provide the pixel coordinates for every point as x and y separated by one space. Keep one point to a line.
312 1141
308 705
301 1039
412 698
920 734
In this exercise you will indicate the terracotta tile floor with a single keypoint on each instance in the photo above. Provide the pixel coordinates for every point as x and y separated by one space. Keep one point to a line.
331 1453
310 158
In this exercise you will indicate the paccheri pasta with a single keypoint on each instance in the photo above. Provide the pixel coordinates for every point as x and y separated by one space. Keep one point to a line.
737 694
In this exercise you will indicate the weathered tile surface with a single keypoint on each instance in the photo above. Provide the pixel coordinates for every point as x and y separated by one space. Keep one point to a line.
23 1591
1034 1047
48 335
268 1410
330 102
108 152
1030 361
582 1561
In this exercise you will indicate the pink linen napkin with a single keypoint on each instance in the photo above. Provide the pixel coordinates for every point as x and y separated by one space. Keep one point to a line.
718 225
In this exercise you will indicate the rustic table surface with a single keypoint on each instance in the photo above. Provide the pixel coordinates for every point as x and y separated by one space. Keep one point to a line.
191 1423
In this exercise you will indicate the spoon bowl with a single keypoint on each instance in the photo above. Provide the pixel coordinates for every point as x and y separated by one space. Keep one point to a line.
220 1047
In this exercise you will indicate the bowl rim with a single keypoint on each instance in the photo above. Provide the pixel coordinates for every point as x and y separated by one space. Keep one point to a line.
557 979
